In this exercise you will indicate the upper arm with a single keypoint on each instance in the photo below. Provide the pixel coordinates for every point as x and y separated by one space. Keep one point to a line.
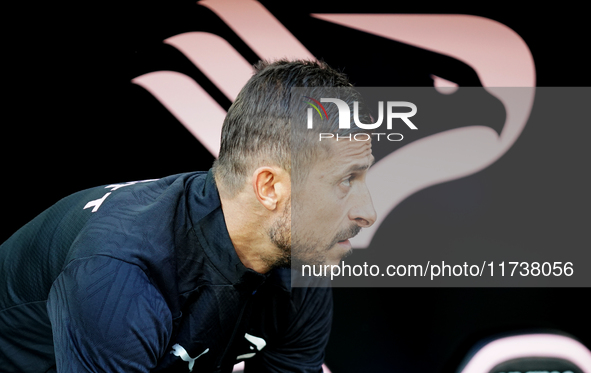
107 316
301 346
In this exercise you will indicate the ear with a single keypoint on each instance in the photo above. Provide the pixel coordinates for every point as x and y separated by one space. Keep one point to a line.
271 186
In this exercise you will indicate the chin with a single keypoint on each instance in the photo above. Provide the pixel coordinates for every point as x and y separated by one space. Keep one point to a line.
338 252
333 262
331 256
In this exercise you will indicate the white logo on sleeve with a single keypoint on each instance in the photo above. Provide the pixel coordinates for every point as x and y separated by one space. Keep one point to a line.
98 202
180 351
258 343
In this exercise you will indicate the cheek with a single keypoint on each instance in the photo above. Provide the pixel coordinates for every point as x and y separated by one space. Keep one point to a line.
318 212
332 211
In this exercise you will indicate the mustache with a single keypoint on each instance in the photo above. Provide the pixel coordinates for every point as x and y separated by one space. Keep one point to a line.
347 233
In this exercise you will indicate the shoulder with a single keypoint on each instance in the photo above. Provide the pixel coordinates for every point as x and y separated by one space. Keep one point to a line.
134 220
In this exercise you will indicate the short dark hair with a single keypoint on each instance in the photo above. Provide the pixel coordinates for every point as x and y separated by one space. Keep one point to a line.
258 127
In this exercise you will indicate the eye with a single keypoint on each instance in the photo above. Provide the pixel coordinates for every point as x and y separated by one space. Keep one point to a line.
346 185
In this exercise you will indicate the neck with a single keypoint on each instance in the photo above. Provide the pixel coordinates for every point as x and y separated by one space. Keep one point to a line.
247 227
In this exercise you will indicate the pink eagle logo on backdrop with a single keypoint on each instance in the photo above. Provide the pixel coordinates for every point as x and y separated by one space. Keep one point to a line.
503 61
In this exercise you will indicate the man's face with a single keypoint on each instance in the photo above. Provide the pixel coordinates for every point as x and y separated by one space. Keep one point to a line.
332 205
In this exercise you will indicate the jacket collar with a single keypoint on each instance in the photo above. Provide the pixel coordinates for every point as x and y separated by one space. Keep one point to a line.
206 214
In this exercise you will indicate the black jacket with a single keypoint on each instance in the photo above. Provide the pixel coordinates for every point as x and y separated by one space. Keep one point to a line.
143 277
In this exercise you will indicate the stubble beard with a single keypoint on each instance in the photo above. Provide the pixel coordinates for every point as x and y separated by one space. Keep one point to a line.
294 250
280 235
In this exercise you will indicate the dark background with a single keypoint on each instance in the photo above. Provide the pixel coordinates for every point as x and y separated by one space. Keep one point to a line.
74 120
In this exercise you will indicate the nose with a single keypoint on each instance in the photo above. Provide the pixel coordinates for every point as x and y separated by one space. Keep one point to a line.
363 212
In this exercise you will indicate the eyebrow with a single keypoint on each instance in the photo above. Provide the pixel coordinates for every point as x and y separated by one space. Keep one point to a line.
360 167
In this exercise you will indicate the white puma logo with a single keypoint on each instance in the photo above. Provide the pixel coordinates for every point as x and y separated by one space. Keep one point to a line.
259 343
180 351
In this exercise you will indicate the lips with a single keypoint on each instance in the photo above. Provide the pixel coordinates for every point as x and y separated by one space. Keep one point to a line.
352 232
342 239
345 248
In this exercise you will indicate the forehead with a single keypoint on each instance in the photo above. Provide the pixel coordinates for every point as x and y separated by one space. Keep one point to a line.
345 155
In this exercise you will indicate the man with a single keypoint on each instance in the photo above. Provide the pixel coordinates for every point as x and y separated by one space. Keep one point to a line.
191 272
